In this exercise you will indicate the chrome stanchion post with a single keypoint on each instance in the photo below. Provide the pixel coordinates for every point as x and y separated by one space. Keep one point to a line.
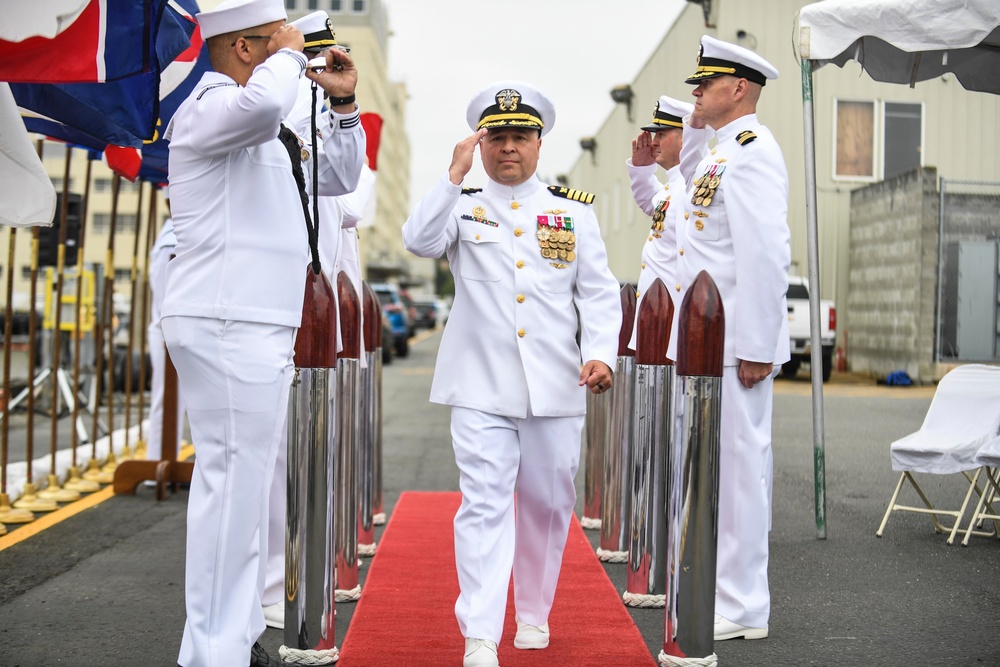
347 443
372 323
646 578
310 491
616 484
693 508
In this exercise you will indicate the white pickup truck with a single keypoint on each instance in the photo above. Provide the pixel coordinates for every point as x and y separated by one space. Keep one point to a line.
798 328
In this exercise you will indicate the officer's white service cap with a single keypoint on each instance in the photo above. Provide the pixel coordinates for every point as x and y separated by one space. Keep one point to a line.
233 15
317 29
716 58
669 113
511 104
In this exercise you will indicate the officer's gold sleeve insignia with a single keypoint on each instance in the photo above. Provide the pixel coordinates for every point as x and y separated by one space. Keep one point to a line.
571 193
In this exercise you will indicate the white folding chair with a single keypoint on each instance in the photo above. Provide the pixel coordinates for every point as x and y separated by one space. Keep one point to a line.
964 415
988 458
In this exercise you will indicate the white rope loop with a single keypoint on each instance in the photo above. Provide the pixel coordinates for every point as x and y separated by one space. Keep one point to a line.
353 595
674 661
298 656
643 600
612 556
379 519
366 550
590 523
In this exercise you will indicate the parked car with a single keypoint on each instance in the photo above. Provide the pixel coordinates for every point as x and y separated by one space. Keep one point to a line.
427 312
411 310
399 321
386 340
798 328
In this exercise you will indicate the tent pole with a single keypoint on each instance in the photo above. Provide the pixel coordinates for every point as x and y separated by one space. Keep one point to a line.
816 352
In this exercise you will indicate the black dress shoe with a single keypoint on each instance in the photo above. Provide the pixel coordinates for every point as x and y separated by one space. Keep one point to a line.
260 658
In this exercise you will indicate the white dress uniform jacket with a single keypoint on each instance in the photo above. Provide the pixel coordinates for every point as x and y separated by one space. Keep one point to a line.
659 254
740 236
238 257
509 344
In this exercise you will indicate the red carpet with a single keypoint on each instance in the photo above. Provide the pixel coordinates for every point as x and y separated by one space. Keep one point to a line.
406 617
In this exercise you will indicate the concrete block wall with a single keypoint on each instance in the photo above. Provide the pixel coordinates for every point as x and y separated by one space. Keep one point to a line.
892 276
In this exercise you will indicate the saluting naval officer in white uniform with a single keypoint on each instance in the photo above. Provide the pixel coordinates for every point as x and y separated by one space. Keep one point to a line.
735 227
659 144
234 298
523 256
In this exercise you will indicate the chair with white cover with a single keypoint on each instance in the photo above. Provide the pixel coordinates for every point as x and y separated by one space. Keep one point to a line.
963 416
988 458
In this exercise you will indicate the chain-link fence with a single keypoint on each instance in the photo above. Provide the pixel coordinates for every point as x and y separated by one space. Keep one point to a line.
968 304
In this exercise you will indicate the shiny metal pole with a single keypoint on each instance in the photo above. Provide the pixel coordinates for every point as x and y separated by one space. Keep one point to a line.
348 442
693 508
598 412
378 509
368 395
310 491
646 578
616 484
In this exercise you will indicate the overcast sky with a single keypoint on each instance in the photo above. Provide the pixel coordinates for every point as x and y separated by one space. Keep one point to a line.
575 51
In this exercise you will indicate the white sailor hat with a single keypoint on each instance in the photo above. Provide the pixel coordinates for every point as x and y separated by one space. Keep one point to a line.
233 15
318 31
511 104
716 58
669 113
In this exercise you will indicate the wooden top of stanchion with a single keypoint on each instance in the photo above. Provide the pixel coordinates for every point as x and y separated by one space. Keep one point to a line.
372 319
316 342
628 320
701 329
656 315
350 318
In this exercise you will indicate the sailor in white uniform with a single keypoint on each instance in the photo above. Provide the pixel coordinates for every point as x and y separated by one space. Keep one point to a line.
234 298
659 144
735 227
525 257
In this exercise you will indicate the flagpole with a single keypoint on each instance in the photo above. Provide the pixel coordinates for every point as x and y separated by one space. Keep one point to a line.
76 481
53 491
126 450
143 337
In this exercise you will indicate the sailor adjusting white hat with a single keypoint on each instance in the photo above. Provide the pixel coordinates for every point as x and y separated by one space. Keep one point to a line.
233 15
716 58
511 104
317 30
669 113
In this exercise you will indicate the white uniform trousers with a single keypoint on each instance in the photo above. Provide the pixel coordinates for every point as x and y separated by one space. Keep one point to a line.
536 458
158 362
235 377
745 476
274 579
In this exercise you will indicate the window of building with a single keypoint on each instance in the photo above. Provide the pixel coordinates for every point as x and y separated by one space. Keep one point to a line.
904 133
291 4
123 275
337 6
125 222
57 183
854 140
102 185
312 5
359 6
26 272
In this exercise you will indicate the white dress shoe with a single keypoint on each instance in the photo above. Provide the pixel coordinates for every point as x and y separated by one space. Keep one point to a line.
726 629
480 653
274 616
531 636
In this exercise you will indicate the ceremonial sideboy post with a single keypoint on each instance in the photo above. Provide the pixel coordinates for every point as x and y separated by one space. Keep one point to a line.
526 257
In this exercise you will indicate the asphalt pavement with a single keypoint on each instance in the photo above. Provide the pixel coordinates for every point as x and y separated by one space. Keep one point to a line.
104 586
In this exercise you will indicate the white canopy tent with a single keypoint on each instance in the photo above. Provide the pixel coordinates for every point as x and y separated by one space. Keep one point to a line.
895 41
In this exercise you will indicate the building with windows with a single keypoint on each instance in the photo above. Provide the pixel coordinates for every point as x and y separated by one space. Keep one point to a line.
866 133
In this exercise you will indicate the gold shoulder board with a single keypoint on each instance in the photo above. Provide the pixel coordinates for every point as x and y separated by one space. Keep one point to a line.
745 137
570 193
